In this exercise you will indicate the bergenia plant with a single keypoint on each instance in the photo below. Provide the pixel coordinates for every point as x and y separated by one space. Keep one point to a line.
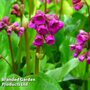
46 26
35 38
9 27
83 40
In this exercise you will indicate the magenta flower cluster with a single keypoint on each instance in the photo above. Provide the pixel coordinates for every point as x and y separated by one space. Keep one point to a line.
16 10
5 24
77 4
46 25
83 39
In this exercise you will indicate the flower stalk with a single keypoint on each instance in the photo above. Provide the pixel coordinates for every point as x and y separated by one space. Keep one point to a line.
30 9
20 42
61 7
12 56
37 60
87 66
27 52
45 6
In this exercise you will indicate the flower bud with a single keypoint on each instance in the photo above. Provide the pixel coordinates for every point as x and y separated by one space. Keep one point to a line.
78 6
21 30
72 47
16 7
9 31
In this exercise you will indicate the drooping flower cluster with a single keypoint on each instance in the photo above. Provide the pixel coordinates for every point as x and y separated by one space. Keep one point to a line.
83 38
5 24
77 4
16 10
46 25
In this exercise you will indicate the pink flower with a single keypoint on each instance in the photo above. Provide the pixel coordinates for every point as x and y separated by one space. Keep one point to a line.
42 29
9 31
32 24
75 1
21 30
50 40
78 6
81 57
82 42
78 48
81 38
16 7
88 57
38 41
39 18
72 47
55 26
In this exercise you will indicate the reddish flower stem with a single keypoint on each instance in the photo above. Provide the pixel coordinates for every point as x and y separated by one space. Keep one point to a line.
45 6
27 52
38 49
12 56
87 66
20 42
37 60
61 8
30 9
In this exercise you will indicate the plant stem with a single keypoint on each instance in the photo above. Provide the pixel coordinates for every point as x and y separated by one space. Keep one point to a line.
61 8
88 13
20 54
20 42
86 81
87 66
27 52
37 60
22 1
56 10
30 9
45 10
12 56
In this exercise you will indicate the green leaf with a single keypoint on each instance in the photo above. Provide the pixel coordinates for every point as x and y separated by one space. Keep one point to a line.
67 11
88 2
42 82
60 73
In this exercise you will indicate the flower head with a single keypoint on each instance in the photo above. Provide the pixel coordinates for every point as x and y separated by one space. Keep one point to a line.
82 42
46 25
55 26
38 41
21 30
32 24
42 29
78 6
50 40
39 18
